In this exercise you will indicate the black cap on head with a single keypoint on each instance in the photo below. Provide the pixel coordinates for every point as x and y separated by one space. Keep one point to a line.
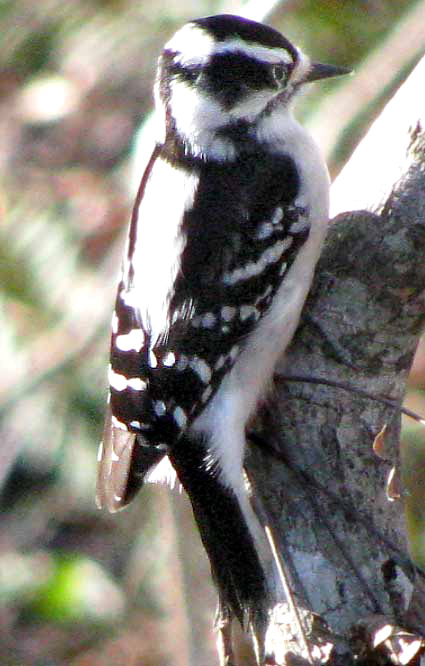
225 26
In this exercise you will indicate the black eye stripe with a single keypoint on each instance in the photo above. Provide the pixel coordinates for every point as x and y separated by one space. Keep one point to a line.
237 67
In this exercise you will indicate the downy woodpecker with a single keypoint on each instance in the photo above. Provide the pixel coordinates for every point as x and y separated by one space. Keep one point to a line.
226 229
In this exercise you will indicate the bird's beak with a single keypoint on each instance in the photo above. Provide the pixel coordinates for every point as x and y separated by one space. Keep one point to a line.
319 70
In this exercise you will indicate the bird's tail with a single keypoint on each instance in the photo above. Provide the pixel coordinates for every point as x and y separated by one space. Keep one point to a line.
230 538
231 534
125 462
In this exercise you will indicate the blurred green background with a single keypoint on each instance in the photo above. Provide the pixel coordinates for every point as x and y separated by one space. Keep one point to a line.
76 586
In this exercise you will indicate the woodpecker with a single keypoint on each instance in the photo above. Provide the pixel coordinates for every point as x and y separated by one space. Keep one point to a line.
226 229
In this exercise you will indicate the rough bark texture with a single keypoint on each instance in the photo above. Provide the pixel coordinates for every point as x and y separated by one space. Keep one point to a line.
324 493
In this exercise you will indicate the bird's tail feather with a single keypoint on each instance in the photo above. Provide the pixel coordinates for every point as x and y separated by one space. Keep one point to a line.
224 523
125 463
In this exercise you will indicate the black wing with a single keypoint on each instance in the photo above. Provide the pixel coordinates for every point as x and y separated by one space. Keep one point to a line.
235 237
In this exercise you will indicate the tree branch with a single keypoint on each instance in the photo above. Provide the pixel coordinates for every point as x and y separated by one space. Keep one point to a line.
324 488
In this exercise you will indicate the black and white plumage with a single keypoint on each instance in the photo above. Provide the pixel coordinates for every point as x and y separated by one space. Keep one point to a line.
225 233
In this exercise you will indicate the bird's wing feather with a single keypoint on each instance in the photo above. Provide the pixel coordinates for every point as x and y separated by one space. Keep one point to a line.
180 324
115 453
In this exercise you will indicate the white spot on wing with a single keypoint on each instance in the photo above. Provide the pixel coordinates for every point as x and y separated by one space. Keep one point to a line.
134 340
114 323
272 254
233 277
201 368
169 359
234 352
159 408
277 215
209 320
153 362
206 394
227 312
301 225
252 269
265 230
247 311
116 381
180 417
182 362
136 384
118 424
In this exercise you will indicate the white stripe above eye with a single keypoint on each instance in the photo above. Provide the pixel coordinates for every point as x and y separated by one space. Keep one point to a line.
193 45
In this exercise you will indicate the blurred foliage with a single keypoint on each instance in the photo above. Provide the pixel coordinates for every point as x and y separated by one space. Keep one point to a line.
75 84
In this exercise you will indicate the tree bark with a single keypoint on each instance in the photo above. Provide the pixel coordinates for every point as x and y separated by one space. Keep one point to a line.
323 491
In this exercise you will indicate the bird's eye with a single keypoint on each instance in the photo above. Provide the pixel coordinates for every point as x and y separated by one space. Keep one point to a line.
280 74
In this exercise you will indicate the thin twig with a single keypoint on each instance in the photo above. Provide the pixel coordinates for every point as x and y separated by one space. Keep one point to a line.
352 389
